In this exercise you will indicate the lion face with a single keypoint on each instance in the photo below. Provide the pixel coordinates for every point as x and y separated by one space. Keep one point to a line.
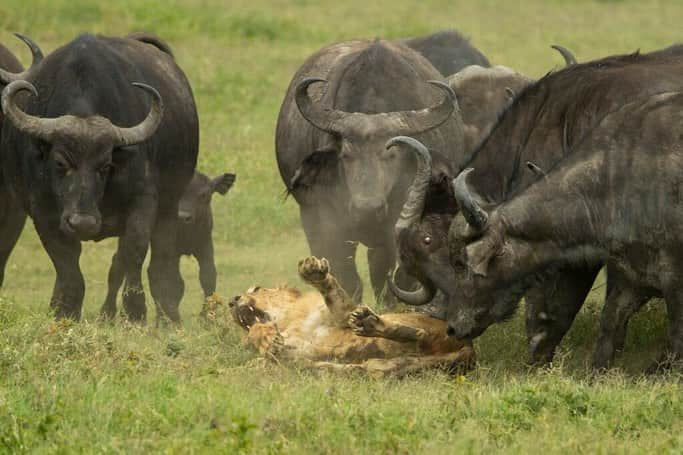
259 305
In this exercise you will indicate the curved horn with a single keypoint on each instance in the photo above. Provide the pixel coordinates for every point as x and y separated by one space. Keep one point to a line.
6 77
42 128
321 118
533 167
143 130
414 204
423 295
475 215
421 121
569 58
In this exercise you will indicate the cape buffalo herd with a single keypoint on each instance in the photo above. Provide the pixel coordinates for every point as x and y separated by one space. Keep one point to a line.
462 179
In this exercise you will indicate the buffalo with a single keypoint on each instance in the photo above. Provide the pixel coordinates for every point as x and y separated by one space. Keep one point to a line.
483 93
100 140
12 215
448 51
540 128
194 236
342 105
614 200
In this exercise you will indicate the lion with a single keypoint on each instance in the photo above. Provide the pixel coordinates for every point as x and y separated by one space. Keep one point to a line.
327 330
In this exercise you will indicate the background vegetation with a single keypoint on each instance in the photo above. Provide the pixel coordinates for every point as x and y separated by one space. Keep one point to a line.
90 387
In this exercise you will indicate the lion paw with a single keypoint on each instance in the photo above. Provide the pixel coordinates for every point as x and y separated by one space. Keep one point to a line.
313 269
267 339
211 307
365 322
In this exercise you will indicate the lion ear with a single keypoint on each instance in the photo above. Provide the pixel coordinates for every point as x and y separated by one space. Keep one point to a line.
479 255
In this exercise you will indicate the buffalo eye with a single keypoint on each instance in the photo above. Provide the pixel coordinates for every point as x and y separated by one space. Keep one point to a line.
427 240
62 166
104 169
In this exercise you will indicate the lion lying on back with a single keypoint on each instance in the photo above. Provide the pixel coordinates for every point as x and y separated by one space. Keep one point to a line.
327 330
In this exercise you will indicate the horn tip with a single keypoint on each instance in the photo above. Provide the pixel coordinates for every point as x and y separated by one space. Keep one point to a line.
35 49
148 88
444 86
395 141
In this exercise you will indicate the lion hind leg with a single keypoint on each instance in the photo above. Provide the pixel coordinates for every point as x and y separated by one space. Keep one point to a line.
316 272
398 367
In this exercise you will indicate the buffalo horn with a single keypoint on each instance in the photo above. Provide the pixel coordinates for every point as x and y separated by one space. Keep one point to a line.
475 215
569 58
414 204
143 130
423 295
6 77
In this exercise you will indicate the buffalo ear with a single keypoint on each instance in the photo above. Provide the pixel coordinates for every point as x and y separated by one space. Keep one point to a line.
222 183
442 182
318 167
479 255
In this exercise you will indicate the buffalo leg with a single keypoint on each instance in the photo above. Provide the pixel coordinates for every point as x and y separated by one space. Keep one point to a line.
114 281
327 240
69 289
623 300
315 272
207 273
552 307
207 268
165 281
10 229
674 310
131 254
381 262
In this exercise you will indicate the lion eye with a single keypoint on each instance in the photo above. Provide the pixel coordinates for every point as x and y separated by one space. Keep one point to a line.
427 240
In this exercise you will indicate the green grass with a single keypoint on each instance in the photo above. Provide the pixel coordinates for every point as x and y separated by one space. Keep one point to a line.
118 388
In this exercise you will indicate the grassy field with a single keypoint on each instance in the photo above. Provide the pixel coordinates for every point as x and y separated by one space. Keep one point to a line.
94 388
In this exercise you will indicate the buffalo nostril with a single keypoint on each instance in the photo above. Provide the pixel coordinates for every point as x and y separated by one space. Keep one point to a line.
450 331
185 217
82 223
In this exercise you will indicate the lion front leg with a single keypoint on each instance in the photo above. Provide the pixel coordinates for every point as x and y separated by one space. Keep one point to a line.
267 339
316 272
366 323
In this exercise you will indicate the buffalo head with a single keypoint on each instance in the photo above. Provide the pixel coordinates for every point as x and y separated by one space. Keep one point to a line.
484 261
369 170
77 154
196 199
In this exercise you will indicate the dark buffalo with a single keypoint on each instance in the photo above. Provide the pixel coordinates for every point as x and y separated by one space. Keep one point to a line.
330 147
541 126
12 215
91 152
448 51
194 234
616 199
